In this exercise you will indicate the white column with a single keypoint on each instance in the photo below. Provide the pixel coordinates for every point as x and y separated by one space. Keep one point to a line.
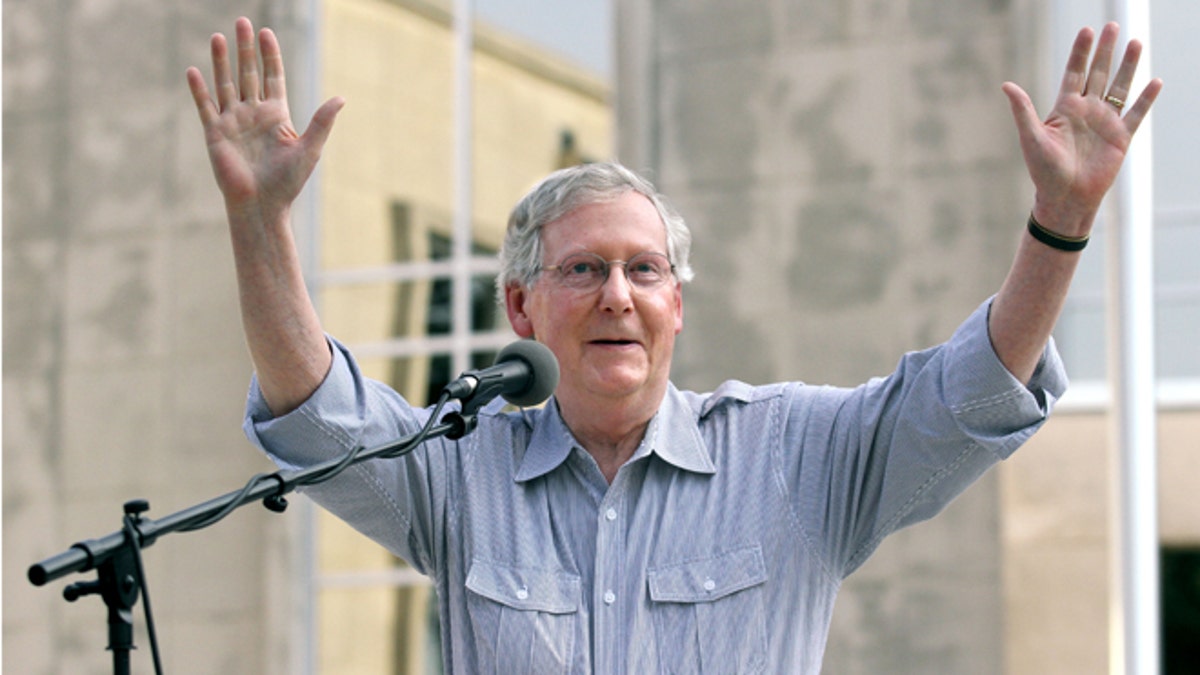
1134 605
464 16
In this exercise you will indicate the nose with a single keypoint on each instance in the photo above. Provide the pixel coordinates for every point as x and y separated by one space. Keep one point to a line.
616 293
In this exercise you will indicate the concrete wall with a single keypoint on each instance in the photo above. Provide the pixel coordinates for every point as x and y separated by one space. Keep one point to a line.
125 370
853 181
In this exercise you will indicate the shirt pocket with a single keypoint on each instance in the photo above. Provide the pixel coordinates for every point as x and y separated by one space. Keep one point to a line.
708 613
524 620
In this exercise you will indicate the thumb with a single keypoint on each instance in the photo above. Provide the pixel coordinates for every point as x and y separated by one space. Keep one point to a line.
322 123
1024 114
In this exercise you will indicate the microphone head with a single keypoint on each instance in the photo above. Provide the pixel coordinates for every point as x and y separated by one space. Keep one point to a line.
543 371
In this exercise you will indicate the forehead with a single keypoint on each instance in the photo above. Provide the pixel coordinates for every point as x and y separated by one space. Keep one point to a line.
628 222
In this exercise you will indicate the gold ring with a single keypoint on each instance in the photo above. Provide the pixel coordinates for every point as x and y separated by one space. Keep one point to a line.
1117 103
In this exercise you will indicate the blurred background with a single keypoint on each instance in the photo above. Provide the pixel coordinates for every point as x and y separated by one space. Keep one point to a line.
853 181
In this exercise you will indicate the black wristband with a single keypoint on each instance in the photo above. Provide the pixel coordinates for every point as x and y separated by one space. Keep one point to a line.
1056 241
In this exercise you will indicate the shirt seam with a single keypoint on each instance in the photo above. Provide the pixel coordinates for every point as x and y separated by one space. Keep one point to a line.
990 401
802 533
340 436
882 532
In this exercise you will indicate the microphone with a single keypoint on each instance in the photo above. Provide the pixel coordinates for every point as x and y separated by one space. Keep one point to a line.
525 374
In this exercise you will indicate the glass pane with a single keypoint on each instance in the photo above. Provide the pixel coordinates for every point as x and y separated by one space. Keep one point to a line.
440 314
485 309
1180 583
441 370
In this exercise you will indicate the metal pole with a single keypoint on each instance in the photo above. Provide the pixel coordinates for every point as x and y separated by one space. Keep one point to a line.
463 195
1134 610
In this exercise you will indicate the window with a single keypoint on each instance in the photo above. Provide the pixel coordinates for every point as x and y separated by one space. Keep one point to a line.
1180 591
375 614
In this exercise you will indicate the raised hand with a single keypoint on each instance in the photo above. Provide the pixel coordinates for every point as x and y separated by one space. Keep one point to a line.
1074 155
261 164
259 159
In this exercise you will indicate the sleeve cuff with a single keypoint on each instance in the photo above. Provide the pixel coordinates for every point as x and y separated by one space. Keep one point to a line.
988 399
328 423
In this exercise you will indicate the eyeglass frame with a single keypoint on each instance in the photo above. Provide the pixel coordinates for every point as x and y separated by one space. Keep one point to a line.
607 266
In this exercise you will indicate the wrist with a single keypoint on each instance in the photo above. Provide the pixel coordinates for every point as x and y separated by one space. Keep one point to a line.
257 212
1055 240
1061 218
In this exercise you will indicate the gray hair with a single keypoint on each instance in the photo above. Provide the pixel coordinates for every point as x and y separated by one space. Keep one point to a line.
565 190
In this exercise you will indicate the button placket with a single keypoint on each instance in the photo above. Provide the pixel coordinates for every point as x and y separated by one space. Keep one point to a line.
609 538
609 565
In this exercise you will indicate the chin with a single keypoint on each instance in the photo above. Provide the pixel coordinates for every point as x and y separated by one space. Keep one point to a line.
618 384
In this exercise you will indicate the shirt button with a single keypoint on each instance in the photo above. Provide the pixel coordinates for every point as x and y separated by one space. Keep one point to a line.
522 593
611 514
709 584
609 597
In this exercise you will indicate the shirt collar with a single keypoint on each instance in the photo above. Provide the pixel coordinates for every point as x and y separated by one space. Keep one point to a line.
673 435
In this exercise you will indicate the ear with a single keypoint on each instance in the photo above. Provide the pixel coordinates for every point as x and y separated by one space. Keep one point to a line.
515 297
678 299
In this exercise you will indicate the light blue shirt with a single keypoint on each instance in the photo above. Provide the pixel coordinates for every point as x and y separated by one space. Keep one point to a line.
718 548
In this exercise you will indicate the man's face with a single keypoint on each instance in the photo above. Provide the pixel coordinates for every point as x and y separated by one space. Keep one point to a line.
615 341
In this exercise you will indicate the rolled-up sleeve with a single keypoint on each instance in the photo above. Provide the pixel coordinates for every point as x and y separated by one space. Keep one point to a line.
987 401
392 501
897 450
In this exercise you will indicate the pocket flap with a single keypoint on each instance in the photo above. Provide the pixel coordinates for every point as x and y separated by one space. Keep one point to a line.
537 590
708 579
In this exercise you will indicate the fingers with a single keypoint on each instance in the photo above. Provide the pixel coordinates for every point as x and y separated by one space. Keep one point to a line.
1097 79
222 77
1124 78
247 86
1096 84
204 105
247 57
272 60
1118 92
1133 118
1074 79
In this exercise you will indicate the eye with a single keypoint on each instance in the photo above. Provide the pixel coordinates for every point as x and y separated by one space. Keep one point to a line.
581 266
648 267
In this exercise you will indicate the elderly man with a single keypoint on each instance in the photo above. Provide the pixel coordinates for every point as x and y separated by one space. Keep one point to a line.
629 527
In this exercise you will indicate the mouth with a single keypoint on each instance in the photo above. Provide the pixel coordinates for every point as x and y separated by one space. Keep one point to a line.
614 343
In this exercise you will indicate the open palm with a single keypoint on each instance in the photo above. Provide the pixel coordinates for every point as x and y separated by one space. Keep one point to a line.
1074 155
259 159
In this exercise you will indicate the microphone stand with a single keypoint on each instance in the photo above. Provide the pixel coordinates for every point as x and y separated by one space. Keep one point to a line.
117 556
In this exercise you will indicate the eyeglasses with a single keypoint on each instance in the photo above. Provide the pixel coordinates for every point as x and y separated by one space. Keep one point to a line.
588 271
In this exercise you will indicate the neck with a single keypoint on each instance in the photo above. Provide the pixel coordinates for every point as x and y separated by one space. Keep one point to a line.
610 432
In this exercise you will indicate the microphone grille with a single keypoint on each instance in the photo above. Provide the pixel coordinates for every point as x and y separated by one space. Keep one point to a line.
543 366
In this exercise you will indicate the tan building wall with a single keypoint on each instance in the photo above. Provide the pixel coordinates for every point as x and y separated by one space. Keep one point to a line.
1057 520
392 153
